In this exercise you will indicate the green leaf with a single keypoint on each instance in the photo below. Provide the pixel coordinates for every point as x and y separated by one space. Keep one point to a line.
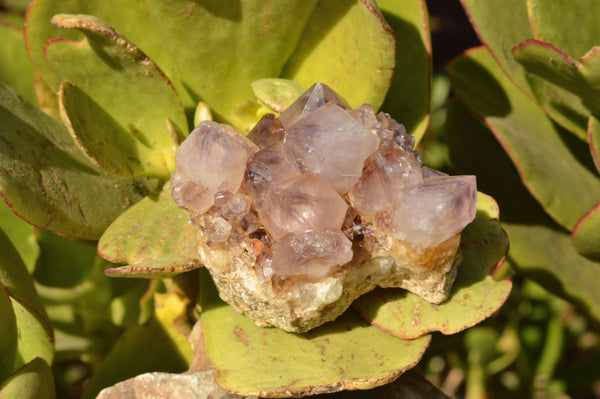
528 136
152 229
356 63
475 294
119 100
35 336
571 27
16 69
500 25
32 381
408 99
162 267
277 94
131 18
344 354
21 234
47 181
586 234
141 349
594 140
247 40
546 255
552 63
8 332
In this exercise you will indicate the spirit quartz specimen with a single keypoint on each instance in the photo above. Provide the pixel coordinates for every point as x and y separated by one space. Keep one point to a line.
317 207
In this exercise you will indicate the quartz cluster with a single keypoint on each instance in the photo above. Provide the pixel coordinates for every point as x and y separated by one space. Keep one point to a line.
318 206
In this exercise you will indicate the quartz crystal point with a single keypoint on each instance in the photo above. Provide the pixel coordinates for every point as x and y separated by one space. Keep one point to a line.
317 207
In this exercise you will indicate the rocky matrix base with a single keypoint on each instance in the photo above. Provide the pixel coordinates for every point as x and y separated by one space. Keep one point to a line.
317 207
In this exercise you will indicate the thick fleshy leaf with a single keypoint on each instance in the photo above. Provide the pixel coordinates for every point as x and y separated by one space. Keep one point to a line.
32 381
564 107
554 64
47 181
408 98
569 27
356 63
21 234
539 248
547 256
119 102
35 336
16 69
131 18
247 40
277 94
475 294
161 267
151 347
344 354
586 234
490 20
528 136
153 229
47 99
594 140
8 332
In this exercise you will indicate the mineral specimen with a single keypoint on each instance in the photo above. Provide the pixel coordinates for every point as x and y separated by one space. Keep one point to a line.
317 207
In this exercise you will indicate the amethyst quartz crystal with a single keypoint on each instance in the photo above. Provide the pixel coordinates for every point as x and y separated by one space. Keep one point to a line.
317 207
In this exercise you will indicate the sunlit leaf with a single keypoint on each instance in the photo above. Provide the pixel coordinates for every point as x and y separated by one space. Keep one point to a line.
21 234
475 294
32 381
586 234
47 181
356 63
344 354
408 98
277 94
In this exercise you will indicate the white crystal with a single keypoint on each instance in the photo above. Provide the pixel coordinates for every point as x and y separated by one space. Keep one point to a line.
301 203
311 253
331 144
317 96
432 211
384 174
212 159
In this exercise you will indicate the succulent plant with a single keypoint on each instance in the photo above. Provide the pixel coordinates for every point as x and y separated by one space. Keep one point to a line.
527 100
117 91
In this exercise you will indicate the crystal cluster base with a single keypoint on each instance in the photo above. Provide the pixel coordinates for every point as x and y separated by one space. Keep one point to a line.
317 207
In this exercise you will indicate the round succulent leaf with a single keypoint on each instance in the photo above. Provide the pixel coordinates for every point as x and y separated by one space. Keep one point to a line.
594 140
475 294
564 107
546 255
35 335
154 346
586 234
269 362
16 70
131 18
555 65
356 63
572 28
248 40
8 332
545 164
277 94
21 234
121 101
500 25
153 229
408 99
47 99
32 381
47 181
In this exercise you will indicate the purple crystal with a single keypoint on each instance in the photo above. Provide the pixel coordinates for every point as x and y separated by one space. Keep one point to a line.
331 144
301 203
430 212
311 253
